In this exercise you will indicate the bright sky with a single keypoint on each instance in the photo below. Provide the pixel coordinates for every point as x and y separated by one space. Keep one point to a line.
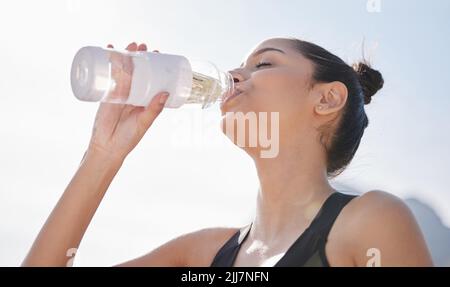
185 175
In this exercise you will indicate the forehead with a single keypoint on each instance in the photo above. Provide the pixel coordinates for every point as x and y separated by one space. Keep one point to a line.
282 44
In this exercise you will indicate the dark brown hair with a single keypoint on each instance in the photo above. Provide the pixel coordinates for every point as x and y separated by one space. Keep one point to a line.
362 83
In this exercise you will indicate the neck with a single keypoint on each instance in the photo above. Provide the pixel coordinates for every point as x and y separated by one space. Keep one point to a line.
293 186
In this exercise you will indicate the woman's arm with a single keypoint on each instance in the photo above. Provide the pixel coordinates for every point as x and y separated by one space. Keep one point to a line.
71 216
117 130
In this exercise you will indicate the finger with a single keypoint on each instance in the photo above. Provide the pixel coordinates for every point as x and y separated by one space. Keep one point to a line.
110 46
156 51
132 47
149 114
142 47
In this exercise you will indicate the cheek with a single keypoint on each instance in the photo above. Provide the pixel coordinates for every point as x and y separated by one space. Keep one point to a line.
278 90
286 92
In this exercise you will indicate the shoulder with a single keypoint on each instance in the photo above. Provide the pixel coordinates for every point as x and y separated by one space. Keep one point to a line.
377 205
379 224
196 248
204 244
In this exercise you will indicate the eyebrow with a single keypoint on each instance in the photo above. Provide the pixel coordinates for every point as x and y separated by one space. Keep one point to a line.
262 51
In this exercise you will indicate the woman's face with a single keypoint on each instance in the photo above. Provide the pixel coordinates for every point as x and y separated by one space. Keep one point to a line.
273 78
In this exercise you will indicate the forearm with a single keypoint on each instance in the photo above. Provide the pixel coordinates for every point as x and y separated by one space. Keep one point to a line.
71 216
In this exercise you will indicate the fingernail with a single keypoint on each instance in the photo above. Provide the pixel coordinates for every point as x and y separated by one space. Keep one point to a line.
163 98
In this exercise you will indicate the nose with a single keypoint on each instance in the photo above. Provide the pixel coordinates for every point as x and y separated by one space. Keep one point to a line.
237 77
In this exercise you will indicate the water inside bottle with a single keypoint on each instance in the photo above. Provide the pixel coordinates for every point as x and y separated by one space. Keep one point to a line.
205 90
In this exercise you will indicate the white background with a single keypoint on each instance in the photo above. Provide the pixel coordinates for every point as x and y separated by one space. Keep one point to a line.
185 175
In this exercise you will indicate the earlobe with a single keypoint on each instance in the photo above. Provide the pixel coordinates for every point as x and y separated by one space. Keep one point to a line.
319 109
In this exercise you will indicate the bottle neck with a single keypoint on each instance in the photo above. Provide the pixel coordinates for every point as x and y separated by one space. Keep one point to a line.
212 88
227 85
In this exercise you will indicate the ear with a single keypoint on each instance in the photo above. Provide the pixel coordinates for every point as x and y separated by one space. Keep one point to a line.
331 98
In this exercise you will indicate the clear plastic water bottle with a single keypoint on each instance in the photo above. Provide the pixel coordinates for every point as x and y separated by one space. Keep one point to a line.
107 75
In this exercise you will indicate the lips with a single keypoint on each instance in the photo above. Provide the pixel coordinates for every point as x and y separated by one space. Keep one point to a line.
229 97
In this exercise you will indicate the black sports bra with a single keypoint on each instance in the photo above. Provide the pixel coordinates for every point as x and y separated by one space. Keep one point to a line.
307 250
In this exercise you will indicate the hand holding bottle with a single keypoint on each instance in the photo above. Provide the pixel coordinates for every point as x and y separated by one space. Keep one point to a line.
119 127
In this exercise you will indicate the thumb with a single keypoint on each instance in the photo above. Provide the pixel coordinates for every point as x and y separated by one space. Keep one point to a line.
149 114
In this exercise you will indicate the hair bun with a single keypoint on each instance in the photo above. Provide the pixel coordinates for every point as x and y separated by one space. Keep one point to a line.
371 80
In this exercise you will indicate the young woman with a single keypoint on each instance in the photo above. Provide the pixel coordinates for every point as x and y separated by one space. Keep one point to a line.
300 219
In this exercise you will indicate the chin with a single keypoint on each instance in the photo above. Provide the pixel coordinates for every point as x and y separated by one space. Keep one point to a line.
234 104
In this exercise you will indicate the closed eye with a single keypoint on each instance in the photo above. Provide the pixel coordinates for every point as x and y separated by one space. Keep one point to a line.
262 64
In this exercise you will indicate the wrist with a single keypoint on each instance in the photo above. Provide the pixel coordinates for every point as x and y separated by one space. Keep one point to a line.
97 170
105 158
